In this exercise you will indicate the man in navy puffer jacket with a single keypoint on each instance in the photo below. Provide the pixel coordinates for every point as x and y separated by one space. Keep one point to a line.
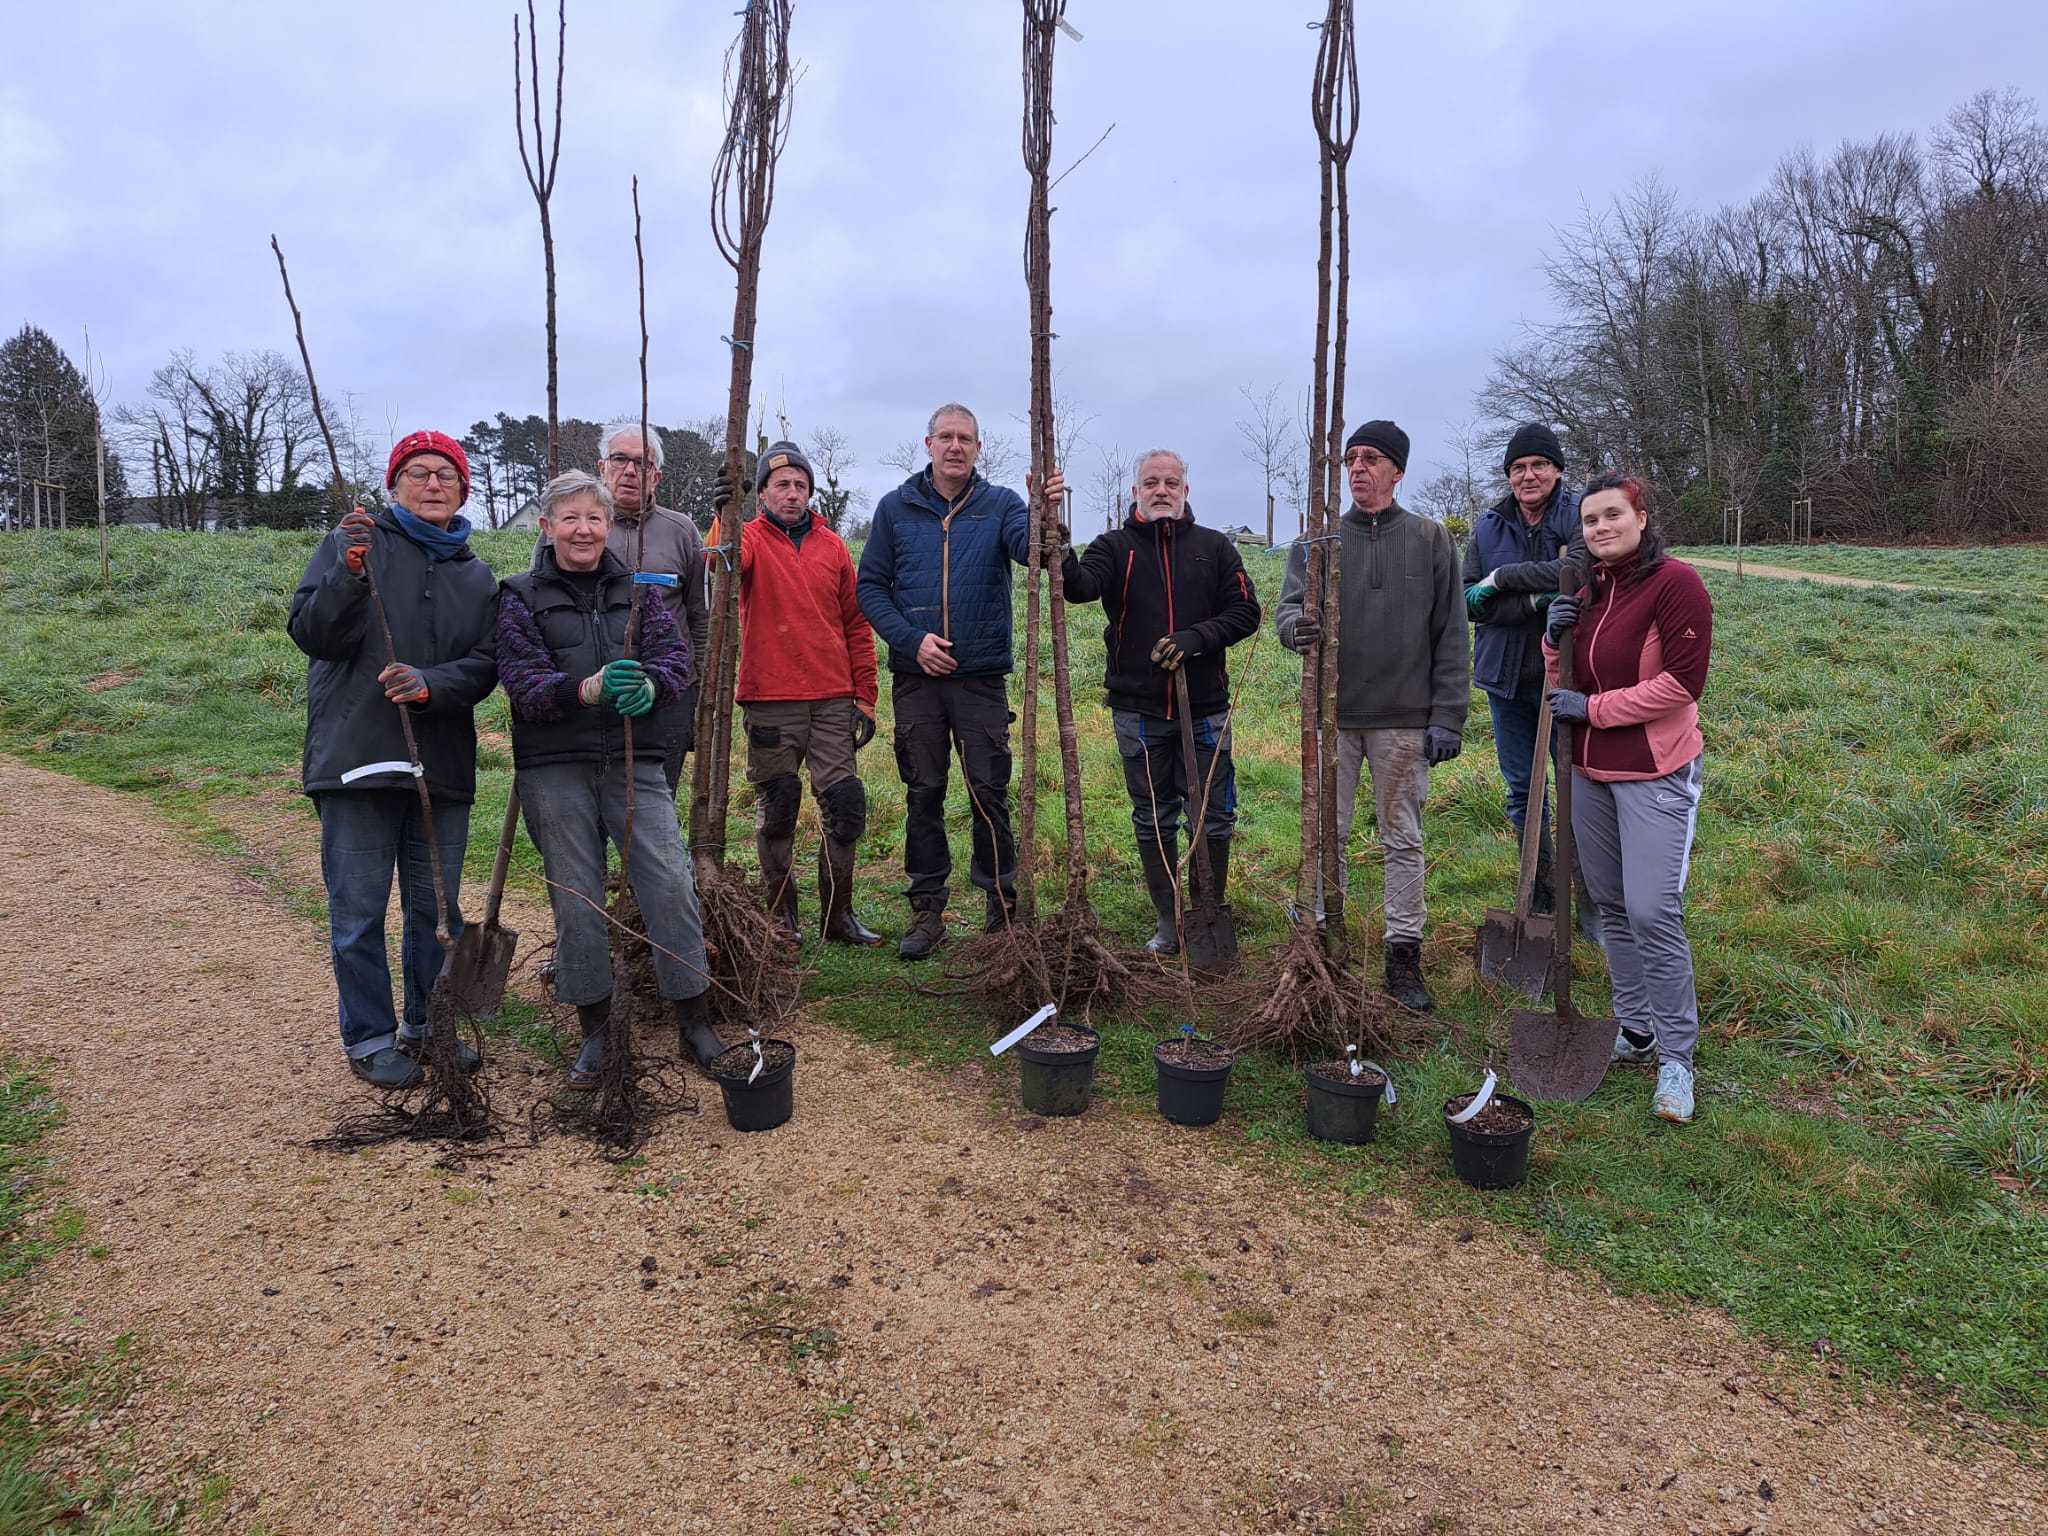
935 584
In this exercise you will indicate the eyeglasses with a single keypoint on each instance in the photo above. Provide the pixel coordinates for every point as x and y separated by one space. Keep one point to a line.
1523 468
419 474
1365 458
625 461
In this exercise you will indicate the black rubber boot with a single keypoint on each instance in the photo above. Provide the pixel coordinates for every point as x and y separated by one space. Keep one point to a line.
927 933
1404 975
595 1018
1219 867
1001 913
1157 860
1544 897
835 897
778 888
695 1037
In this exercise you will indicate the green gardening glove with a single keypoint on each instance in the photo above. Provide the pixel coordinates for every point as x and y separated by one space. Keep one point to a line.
627 687
1475 600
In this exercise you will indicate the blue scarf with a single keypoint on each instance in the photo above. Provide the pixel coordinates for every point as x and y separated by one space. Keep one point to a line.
439 543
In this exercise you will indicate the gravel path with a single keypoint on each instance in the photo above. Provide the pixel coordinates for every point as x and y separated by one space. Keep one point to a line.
1825 578
910 1309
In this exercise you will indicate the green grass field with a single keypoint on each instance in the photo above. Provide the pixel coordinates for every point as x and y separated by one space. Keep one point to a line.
2012 567
1867 1183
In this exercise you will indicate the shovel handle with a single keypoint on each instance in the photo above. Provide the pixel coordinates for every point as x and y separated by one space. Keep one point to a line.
1200 811
1561 938
1532 823
503 866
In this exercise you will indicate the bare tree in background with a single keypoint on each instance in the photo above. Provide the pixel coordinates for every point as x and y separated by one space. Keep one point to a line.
1272 441
540 165
831 455
1112 487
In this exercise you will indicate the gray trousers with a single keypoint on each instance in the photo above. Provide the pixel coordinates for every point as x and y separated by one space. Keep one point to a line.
572 811
1400 784
1635 846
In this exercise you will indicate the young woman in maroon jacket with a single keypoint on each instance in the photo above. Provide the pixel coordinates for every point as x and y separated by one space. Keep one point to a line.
1645 631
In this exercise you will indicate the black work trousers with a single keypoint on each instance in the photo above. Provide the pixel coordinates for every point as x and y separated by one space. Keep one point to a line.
938 718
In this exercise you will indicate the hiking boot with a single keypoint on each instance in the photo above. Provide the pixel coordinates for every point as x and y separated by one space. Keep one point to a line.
1002 912
1157 860
467 1060
595 1018
694 1035
835 897
1630 1053
386 1068
778 889
927 933
1404 975
1673 1099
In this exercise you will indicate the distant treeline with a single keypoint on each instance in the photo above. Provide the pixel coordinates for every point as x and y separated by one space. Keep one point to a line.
1869 331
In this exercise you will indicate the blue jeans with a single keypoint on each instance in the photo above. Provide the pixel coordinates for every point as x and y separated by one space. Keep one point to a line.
1514 744
574 811
365 834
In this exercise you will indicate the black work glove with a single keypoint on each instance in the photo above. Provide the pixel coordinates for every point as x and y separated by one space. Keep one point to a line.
1308 631
1564 615
722 489
1569 704
863 724
1440 744
355 531
1176 648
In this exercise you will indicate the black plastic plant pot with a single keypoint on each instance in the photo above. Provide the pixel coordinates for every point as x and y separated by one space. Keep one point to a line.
1343 1108
1192 1095
1490 1159
768 1100
1057 1082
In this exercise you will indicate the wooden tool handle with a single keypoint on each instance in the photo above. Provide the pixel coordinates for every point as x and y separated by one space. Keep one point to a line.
503 866
1532 819
1198 813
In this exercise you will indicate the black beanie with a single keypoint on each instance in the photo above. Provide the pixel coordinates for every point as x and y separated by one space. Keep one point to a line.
1533 439
782 456
1386 437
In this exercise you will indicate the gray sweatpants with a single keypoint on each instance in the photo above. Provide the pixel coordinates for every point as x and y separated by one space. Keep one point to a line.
1400 785
572 811
1635 846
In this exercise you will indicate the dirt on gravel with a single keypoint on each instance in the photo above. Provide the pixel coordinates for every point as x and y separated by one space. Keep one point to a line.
909 1309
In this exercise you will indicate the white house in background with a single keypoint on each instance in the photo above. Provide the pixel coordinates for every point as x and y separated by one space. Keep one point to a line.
527 516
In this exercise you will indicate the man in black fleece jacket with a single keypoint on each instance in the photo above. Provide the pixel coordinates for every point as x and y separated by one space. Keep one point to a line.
1176 596
1403 674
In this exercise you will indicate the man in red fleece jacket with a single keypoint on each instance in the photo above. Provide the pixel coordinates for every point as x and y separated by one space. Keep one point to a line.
807 688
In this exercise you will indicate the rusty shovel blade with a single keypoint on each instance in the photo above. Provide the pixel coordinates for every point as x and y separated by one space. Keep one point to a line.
478 968
1516 952
1561 1056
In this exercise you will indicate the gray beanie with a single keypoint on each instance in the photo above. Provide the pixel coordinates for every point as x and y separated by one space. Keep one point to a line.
782 456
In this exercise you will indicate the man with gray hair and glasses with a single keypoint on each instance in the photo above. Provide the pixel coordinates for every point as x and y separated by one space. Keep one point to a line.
935 584
674 553
1176 596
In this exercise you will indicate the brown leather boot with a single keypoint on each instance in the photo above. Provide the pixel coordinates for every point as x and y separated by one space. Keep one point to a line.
778 889
835 897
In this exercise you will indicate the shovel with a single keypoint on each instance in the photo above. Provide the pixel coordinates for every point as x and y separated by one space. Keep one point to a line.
1561 1055
1515 947
1210 932
483 955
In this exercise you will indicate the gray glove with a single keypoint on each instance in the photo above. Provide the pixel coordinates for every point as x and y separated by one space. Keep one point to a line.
1440 744
1308 632
1564 615
1568 704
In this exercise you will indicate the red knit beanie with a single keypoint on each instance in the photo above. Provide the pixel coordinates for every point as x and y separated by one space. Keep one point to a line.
413 444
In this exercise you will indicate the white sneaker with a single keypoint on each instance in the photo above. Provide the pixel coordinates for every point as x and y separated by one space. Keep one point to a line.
1628 1054
1673 1098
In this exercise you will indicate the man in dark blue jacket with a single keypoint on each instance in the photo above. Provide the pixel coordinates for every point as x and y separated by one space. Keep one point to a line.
1510 575
1176 596
441 602
935 584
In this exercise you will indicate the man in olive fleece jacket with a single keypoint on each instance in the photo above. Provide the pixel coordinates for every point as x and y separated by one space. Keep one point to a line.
1403 674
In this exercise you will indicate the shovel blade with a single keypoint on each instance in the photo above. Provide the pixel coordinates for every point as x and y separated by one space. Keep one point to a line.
1211 940
1516 952
1560 1056
478 968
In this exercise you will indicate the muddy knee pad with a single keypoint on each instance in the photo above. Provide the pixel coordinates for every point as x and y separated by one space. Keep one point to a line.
777 799
845 806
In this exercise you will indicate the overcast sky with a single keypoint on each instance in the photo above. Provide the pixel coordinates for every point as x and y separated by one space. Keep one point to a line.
147 152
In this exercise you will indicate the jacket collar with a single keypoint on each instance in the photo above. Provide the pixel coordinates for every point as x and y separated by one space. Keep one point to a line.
1393 512
919 491
608 565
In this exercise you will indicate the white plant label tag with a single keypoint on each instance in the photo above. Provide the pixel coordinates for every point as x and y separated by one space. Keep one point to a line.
760 1057
1479 1100
1383 1072
1022 1030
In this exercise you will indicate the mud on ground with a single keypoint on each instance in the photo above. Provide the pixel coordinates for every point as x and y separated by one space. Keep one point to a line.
909 1309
